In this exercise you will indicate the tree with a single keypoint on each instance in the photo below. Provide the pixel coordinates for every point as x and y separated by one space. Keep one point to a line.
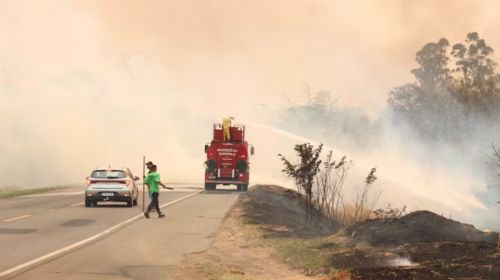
322 183
423 103
477 83
442 103
304 172
319 117
329 184
433 72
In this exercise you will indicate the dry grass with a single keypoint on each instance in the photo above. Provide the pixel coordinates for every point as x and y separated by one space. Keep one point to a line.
306 255
15 192
219 271
340 275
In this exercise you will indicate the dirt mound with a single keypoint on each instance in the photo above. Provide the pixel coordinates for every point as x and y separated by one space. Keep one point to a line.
280 211
420 226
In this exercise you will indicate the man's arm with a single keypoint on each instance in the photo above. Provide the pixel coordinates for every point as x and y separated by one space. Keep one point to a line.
165 187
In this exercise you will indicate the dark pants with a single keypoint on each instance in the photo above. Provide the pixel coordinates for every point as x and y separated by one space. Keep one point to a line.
154 203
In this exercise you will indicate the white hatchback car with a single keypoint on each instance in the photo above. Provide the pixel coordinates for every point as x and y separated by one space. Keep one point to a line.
110 184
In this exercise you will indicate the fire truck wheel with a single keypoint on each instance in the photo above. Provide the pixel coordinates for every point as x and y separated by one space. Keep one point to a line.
242 188
209 187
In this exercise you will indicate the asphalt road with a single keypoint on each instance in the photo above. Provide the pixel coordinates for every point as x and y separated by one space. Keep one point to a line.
147 249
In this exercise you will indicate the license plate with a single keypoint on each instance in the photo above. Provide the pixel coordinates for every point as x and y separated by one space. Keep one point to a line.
107 194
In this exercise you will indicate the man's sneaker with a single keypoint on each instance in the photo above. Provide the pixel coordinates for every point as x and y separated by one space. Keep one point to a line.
146 214
161 216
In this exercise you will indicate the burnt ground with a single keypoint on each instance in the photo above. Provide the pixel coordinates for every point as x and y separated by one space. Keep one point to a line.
265 236
426 260
420 245
280 212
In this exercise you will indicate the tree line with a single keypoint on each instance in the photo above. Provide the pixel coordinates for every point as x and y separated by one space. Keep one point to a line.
455 88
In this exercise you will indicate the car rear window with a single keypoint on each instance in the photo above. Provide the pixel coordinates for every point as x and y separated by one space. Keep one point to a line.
108 174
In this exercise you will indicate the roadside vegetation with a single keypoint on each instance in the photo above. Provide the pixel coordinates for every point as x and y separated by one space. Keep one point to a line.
393 245
321 185
15 192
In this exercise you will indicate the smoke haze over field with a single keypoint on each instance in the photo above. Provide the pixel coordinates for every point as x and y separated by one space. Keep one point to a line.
89 83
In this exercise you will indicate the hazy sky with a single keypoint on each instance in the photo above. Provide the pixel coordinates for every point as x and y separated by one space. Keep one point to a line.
256 50
84 82
262 49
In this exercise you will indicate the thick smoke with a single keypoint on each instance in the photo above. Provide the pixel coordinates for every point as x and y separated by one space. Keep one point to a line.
95 82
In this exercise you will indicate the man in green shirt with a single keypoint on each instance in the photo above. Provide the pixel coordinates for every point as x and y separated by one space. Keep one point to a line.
153 182
149 166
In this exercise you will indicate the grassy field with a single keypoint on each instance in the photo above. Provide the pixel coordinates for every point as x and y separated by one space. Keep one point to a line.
14 192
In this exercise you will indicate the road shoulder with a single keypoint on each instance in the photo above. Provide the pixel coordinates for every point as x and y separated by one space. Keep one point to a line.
238 252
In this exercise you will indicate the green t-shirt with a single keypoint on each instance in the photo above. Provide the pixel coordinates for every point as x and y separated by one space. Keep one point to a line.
153 180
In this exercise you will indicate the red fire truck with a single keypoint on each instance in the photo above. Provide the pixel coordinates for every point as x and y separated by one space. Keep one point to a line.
228 157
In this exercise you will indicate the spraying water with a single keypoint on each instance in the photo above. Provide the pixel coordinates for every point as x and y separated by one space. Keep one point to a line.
403 179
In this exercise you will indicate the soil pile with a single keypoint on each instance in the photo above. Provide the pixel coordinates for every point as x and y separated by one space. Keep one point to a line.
420 226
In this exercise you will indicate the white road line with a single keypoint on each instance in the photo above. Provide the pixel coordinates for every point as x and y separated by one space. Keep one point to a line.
17 218
76 204
77 245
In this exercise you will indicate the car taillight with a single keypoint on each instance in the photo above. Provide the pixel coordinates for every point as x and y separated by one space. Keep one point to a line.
89 182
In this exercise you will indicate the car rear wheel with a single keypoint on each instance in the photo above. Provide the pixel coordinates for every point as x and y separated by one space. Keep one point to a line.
90 203
130 202
135 202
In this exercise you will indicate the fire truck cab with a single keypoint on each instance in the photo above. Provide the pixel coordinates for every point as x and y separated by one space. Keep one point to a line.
228 157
